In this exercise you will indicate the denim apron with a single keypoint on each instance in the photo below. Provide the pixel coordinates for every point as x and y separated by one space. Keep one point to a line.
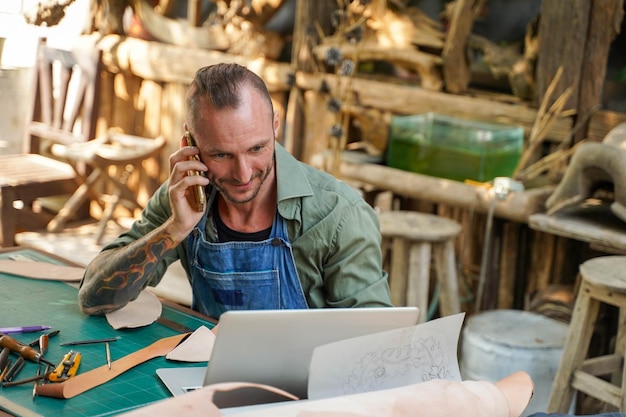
243 275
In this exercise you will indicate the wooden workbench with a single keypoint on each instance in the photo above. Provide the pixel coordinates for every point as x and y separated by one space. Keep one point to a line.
54 303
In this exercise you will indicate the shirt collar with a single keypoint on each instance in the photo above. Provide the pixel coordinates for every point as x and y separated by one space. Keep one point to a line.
290 177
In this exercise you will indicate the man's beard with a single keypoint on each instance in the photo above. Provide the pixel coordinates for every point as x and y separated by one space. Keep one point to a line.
228 196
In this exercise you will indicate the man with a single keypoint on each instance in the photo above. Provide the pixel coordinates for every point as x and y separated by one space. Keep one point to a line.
276 233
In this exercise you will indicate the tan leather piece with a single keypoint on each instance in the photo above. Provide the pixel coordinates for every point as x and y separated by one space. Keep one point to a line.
42 270
435 398
197 347
199 403
144 310
98 376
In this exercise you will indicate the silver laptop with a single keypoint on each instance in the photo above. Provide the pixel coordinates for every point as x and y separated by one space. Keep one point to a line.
275 347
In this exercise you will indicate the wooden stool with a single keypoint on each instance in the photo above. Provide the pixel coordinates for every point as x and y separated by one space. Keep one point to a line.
603 281
413 236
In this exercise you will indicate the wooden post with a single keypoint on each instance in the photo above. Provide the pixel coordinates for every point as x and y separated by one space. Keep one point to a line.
317 125
193 13
508 265
542 261
605 22
576 35
562 34
456 67
309 14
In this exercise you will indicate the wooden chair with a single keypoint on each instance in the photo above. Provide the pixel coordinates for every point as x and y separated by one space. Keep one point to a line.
64 98
112 159
63 158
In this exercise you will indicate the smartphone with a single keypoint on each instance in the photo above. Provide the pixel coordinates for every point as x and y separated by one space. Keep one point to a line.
199 193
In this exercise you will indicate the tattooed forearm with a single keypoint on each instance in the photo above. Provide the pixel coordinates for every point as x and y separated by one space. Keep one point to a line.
116 277
130 271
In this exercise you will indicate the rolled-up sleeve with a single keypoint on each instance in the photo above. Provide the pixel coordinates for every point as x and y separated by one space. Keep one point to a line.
353 274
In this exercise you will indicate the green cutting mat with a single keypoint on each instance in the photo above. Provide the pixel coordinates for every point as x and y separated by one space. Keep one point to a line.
32 302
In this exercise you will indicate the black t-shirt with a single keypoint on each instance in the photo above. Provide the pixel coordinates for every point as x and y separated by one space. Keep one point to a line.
226 234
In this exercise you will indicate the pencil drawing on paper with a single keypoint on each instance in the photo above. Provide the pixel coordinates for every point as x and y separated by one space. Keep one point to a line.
421 359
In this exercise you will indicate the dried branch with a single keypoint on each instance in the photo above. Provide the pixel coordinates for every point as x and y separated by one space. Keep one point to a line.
47 12
546 163
546 117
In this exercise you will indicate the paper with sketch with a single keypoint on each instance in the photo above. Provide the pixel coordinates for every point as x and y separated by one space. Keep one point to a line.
388 359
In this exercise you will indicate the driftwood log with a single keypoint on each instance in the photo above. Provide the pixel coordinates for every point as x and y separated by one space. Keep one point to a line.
517 206
226 30
258 12
456 69
236 27
47 12
577 35
180 33
426 65
399 39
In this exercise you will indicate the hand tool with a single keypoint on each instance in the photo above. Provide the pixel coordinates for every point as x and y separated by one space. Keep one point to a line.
25 351
4 356
90 341
67 368
108 354
43 344
14 370
50 335
34 393
39 376
174 325
3 371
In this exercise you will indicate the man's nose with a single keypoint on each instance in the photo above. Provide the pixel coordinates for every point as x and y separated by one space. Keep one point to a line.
242 170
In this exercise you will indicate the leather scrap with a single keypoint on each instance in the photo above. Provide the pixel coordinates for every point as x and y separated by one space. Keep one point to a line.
42 270
196 348
98 376
143 311
508 397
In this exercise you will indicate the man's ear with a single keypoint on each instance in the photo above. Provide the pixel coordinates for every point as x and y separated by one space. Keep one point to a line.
276 123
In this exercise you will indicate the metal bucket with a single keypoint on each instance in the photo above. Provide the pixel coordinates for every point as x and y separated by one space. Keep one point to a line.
497 343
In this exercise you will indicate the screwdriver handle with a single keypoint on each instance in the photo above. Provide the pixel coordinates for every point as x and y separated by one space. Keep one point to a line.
24 351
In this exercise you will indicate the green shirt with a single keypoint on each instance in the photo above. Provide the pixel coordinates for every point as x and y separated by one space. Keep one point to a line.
334 233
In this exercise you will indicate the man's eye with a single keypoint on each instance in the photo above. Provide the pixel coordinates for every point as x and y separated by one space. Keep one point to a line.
219 156
257 148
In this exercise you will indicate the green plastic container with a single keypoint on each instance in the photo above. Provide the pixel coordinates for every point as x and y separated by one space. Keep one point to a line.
456 149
